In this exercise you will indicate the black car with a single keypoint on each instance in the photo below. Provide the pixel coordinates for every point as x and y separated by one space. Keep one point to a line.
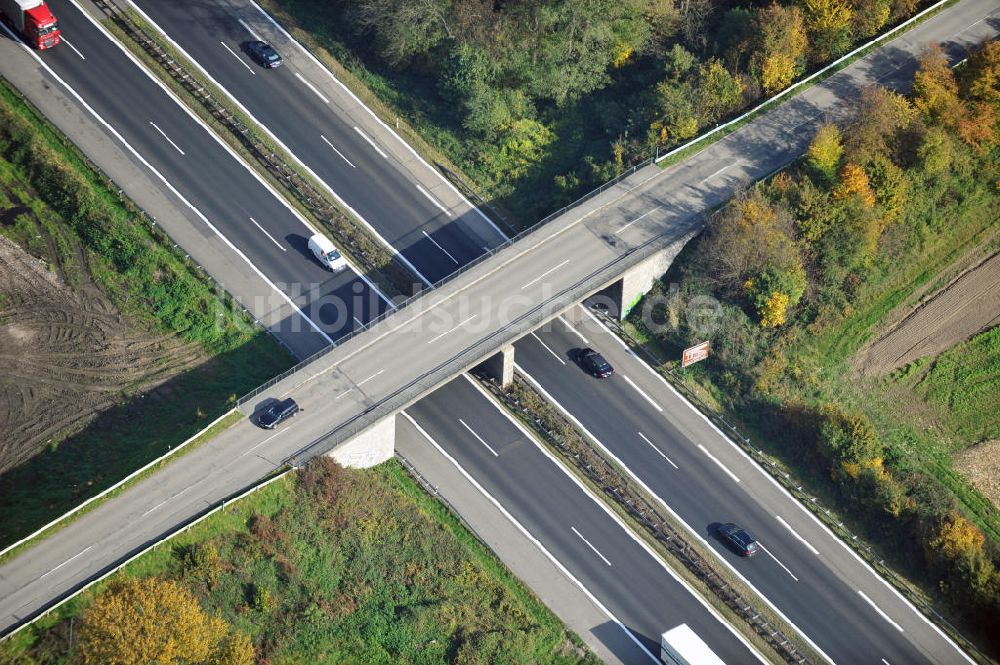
594 362
739 538
263 54
277 412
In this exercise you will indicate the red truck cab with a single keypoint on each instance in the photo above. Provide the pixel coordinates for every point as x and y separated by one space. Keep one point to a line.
34 20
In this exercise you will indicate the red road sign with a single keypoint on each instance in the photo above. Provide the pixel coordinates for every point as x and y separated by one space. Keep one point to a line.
694 354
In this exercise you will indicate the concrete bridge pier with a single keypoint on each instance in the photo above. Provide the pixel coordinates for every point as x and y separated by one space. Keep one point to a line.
500 366
374 445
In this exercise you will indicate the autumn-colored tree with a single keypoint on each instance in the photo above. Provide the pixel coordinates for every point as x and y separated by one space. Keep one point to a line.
136 622
957 537
978 127
236 650
719 92
780 50
825 151
935 90
774 291
849 437
828 23
869 17
854 182
880 118
981 77
935 151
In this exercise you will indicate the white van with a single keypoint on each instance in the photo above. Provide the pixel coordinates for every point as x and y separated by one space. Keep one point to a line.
326 253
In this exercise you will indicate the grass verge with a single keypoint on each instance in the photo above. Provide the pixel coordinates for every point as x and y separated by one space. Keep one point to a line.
334 565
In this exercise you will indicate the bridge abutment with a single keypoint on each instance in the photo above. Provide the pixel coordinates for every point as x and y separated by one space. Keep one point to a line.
372 446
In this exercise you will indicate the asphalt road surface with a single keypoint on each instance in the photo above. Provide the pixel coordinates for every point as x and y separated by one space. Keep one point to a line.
243 454
324 133
706 481
575 528
255 220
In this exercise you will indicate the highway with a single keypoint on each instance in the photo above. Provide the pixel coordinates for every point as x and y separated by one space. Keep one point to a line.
632 583
326 134
245 453
237 203
805 572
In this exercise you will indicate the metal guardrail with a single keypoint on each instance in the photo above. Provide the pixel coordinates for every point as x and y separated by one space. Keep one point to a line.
614 483
795 488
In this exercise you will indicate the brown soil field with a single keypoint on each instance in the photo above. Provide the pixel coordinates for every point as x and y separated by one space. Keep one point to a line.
980 464
67 353
967 305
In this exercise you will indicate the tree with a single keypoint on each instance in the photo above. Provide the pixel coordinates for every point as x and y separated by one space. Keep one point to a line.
136 622
854 182
881 117
774 291
869 17
780 53
849 437
981 78
890 186
677 121
825 152
719 92
402 28
978 127
935 90
829 25
935 151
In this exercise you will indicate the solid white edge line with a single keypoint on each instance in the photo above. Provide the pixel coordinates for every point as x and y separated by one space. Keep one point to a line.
691 532
62 38
591 546
546 347
246 27
669 461
718 463
166 183
618 520
642 393
791 498
777 561
544 274
312 87
271 135
269 236
880 612
436 244
433 200
796 535
164 135
386 127
548 555
371 142
238 58
481 440
327 141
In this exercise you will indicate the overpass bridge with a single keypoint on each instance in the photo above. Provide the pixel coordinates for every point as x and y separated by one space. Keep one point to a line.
617 241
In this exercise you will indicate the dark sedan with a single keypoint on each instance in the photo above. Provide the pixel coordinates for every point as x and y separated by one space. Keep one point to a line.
263 54
739 538
594 362
278 412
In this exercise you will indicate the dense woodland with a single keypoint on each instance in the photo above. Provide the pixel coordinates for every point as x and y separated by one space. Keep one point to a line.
539 101
808 263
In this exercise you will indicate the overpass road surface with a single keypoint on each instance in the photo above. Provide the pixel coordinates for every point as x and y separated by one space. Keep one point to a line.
202 477
807 573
